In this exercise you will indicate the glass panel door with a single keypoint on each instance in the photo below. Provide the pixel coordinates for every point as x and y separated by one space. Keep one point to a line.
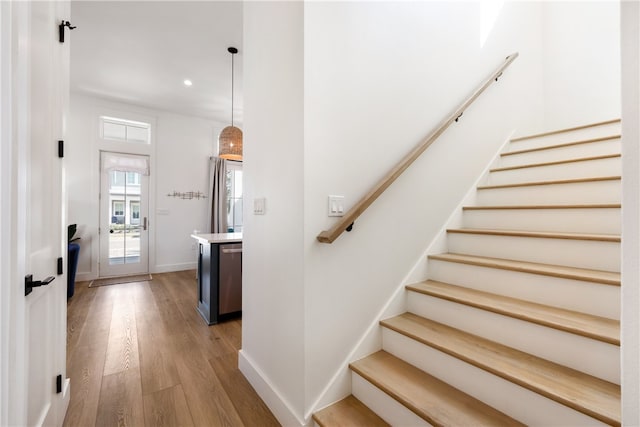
124 225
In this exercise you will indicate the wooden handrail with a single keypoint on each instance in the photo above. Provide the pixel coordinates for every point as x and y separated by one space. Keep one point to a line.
346 222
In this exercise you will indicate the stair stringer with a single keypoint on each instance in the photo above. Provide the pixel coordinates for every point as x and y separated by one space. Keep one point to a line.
339 386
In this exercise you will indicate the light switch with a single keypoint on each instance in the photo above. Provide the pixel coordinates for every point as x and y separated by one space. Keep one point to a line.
259 206
336 205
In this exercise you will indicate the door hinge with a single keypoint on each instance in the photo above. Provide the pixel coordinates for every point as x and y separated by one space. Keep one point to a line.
60 149
61 29
59 384
60 270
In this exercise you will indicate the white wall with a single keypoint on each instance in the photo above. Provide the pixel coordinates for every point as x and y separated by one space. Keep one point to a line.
272 355
179 155
581 62
377 78
630 45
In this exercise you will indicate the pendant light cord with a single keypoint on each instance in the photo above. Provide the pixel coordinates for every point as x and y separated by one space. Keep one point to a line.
232 55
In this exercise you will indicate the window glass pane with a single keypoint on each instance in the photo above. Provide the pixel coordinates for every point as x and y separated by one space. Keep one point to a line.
137 134
117 179
118 208
234 199
114 131
237 188
237 215
125 130
133 178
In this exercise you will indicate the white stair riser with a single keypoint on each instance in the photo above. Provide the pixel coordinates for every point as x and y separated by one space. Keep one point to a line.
610 166
589 254
596 192
599 148
382 404
594 298
588 220
564 137
507 397
584 354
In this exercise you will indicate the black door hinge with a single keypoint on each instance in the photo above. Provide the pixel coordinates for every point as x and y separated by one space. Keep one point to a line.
61 149
61 29
59 384
60 270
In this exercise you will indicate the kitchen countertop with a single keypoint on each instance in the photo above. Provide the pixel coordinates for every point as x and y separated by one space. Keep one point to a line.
218 238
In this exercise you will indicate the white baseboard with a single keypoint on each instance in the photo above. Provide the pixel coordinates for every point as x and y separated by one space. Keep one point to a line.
164 268
66 396
167 268
265 389
85 277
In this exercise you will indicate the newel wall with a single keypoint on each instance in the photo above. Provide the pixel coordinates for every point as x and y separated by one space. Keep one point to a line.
335 94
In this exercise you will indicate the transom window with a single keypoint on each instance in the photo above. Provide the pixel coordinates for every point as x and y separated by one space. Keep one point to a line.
116 129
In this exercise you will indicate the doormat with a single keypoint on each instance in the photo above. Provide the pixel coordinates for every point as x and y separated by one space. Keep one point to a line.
120 280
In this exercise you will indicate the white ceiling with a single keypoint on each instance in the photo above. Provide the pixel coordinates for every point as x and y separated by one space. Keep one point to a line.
141 52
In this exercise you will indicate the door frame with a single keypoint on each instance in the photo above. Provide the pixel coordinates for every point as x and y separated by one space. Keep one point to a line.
15 123
145 187
106 108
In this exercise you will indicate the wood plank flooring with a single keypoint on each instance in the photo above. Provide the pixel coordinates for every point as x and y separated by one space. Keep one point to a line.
138 354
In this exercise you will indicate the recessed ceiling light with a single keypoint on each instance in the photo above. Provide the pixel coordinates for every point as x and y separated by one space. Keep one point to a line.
188 82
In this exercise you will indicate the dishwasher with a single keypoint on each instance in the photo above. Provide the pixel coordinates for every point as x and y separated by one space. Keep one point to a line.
230 278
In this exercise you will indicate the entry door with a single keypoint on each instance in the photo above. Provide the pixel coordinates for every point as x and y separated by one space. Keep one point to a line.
38 390
124 225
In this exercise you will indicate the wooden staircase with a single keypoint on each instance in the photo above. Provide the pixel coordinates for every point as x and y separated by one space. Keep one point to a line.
519 320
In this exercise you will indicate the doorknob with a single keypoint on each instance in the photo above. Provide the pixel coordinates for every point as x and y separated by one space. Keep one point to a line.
144 224
29 283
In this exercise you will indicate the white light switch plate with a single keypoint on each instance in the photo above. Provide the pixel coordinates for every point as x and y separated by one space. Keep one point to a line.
336 206
259 206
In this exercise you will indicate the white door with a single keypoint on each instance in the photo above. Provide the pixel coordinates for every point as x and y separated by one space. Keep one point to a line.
35 387
124 205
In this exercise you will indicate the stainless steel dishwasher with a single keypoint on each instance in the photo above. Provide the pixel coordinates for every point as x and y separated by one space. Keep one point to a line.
230 278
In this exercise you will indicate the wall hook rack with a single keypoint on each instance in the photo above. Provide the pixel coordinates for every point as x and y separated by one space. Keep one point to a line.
187 195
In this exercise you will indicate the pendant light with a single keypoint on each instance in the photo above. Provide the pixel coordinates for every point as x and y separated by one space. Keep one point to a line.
230 139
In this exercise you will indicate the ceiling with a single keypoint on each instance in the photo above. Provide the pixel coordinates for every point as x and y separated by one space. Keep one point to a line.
141 52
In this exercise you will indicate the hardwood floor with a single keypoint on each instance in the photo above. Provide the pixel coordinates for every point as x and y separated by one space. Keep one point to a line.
138 354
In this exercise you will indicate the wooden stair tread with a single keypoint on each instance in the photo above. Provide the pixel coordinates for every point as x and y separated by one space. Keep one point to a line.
557 162
577 206
555 182
431 399
566 144
592 396
594 276
348 412
598 328
538 234
554 132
